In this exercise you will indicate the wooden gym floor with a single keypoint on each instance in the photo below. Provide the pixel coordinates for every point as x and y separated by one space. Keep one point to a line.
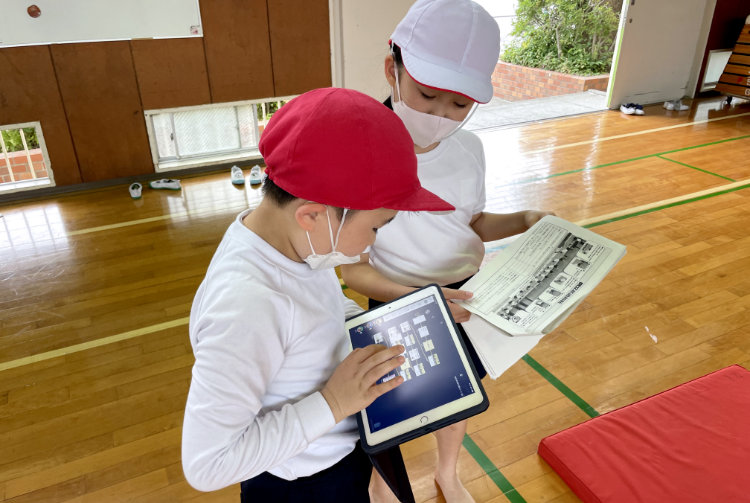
96 291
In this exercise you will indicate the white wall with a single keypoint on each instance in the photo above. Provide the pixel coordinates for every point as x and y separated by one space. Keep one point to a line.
360 33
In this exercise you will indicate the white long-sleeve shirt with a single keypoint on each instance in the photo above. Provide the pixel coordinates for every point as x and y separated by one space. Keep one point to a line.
418 248
267 333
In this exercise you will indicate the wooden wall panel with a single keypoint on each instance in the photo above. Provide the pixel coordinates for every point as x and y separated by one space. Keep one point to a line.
28 92
98 86
238 54
300 45
171 72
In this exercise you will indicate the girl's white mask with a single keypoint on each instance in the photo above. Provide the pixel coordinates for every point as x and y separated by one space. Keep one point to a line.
425 129
334 258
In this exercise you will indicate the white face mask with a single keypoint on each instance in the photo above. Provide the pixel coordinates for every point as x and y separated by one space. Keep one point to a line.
425 129
334 258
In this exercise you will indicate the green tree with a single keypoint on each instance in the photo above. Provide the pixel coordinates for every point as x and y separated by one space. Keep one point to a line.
12 139
570 36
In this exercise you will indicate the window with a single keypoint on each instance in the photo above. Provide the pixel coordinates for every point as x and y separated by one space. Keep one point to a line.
211 134
24 163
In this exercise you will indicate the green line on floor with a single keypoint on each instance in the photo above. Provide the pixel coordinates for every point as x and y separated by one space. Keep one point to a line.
557 383
491 470
639 158
697 169
705 144
665 206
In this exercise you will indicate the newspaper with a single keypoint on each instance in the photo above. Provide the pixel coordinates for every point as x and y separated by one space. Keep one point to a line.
531 286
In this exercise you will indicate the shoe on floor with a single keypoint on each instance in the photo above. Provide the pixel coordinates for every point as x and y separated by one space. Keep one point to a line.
135 190
165 183
627 109
638 109
255 175
238 177
676 105
679 106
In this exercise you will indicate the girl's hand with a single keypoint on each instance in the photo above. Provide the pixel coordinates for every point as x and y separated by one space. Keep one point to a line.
459 313
531 217
352 387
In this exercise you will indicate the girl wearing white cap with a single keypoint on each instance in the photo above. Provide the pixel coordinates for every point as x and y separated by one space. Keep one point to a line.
443 54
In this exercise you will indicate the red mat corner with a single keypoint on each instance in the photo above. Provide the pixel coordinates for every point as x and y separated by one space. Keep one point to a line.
688 444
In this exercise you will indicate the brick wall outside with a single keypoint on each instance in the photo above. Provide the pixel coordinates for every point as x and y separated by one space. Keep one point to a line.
20 165
516 83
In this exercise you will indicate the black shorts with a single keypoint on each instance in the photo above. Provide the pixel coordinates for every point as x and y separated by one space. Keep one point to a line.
344 482
481 372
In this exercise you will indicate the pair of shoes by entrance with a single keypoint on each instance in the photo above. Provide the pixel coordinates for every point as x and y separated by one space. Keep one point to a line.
136 189
165 184
632 109
238 177
676 105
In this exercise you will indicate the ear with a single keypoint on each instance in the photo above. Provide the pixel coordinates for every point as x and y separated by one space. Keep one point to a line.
390 70
308 214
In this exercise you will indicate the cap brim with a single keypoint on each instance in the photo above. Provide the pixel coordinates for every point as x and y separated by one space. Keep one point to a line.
438 77
422 200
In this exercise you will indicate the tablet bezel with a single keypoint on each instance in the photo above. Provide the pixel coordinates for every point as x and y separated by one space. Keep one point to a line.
440 416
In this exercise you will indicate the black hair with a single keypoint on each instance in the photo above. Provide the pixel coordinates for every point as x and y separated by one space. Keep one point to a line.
281 198
396 51
399 61
276 194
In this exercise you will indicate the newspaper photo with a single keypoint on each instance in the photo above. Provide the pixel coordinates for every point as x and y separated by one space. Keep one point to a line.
531 286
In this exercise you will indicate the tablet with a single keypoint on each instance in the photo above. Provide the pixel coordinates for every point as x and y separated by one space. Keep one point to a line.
440 385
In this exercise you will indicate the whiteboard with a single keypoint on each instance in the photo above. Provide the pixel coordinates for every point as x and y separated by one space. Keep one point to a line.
97 20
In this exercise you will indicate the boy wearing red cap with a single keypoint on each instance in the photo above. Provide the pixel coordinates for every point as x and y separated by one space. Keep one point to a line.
443 54
273 392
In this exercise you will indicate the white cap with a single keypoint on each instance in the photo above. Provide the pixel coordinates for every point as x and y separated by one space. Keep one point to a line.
451 45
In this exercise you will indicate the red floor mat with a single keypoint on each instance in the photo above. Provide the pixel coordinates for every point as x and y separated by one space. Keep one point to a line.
687 444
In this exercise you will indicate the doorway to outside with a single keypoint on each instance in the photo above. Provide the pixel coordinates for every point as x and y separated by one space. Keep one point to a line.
525 94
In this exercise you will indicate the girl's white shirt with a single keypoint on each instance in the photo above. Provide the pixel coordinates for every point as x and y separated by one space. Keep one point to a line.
419 248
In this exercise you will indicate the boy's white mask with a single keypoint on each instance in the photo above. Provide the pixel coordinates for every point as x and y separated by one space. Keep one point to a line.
425 129
334 258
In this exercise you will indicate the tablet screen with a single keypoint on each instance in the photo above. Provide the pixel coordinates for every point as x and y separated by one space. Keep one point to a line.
433 371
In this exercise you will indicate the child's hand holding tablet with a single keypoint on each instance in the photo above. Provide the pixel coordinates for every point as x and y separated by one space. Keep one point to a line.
353 385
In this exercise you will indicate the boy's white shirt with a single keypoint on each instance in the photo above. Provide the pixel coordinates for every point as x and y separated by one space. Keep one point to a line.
421 248
267 333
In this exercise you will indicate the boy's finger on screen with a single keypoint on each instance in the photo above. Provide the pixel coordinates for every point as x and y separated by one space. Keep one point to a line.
362 354
374 373
383 388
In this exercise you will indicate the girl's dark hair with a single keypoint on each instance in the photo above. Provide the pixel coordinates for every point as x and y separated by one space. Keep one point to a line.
396 51
398 59
281 197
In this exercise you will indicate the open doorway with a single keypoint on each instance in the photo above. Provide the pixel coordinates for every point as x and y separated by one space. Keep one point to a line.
554 62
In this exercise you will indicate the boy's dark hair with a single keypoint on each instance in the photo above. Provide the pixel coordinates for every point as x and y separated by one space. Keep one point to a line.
276 193
281 197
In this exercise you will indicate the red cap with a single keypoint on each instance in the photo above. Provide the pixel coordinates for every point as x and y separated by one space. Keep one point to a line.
342 148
